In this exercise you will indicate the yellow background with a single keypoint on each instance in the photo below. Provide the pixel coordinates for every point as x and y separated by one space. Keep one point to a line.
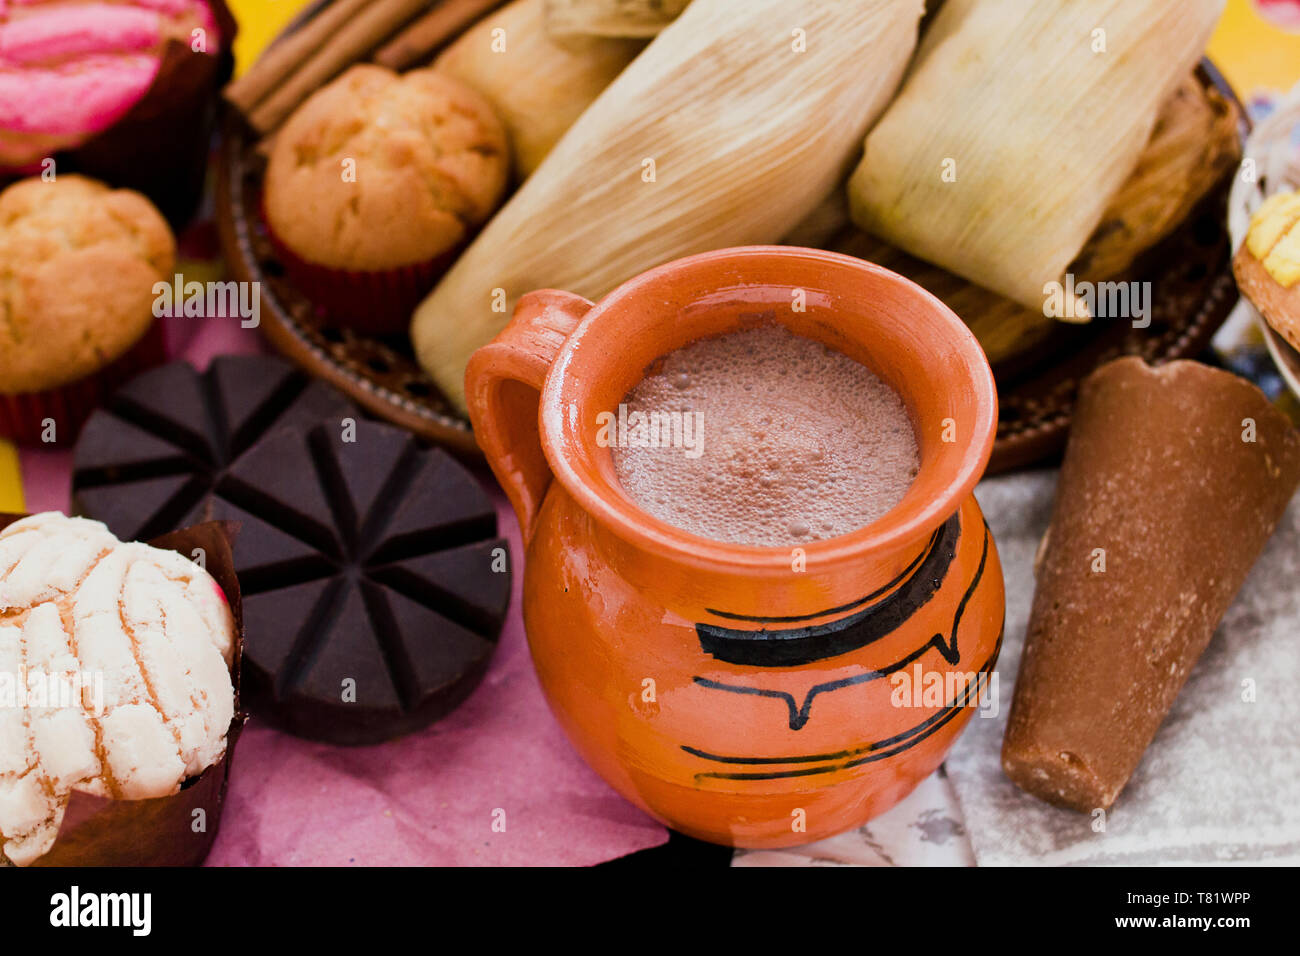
259 21
1252 53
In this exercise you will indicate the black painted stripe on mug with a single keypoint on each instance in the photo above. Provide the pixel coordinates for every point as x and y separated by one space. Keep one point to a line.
800 714
923 730
841 754
789 619
790 647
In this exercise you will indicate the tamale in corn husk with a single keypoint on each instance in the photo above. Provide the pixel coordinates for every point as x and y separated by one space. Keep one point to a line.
1193 146
1004 328
727 130
537 84
611 18
1018 122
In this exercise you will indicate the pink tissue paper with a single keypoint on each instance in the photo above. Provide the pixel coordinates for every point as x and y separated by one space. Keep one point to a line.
428 799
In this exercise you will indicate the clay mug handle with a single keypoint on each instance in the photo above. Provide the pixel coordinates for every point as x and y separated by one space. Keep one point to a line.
503 384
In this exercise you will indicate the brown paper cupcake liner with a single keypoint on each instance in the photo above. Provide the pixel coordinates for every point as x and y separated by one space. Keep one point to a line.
23 415
178 830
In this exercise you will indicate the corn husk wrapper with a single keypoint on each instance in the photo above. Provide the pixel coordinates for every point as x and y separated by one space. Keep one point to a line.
1194 144
538 85
1004 328
721 133
611 18
1018 121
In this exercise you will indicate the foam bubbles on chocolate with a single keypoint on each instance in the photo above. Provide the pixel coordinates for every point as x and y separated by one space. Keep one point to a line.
800 442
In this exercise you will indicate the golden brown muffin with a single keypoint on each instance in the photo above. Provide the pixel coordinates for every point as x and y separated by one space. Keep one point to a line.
78 262
1267 266
430 164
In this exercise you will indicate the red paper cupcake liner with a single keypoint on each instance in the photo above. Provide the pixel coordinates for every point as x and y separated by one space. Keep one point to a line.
370 302
23 415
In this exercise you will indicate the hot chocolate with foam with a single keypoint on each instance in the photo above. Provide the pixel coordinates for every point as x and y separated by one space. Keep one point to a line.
764 437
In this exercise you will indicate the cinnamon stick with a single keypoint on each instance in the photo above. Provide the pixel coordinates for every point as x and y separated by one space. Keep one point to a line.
376 21
422 38
639 19
287 55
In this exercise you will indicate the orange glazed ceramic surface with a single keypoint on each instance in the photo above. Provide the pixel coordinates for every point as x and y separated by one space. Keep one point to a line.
743 695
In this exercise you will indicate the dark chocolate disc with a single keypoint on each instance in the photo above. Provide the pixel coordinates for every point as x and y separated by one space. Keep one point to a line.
374 583
148 463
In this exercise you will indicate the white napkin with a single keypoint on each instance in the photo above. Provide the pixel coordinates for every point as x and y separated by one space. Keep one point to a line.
1221 781
923 829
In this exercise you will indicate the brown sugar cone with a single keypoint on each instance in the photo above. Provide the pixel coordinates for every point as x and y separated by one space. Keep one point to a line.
1164 503
180 829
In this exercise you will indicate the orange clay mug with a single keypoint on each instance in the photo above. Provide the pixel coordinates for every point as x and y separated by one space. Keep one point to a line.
758 697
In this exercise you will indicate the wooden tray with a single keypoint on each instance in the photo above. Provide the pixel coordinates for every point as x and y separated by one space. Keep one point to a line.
1192 294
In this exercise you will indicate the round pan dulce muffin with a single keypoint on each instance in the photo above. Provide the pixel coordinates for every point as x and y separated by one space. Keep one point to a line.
1267 266
375 183
78 262
122 90
144 642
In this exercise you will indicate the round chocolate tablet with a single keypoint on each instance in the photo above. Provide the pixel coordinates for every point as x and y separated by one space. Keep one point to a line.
149 463
374 584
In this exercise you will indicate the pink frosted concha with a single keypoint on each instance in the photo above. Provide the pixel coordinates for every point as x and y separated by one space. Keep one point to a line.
71 68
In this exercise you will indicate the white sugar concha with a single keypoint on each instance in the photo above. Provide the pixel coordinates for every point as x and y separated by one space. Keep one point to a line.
146 639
